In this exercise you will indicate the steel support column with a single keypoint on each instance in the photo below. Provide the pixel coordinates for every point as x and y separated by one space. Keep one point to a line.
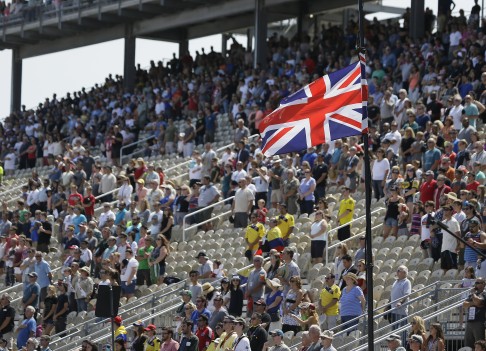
417 27
16 82
129 70
260 35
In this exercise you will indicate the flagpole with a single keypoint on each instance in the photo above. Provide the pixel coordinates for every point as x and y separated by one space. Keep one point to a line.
367 184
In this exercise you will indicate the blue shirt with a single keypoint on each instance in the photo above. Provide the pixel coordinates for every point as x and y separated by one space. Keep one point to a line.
42 269
195 316
210 122
77 221
305 186
120 215
309 158
29 291
350 304
430 157
271 299
24 334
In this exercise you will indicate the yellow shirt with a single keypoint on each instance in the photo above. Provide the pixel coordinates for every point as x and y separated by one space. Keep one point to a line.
327 295
346 204
285 222
254 232
274 233
226 343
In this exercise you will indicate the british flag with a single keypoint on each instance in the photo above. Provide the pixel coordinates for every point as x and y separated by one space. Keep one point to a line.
331 107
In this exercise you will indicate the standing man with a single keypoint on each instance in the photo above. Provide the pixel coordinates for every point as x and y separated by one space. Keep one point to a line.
256 333
7 318
345 214
189 341
31 292
394 343
242 204
256 283
43 270
329 298
448 255
27 328
204 333
242 343
152 343
291 268
326 341
275 174
108 183
129 275
476 305
401 288
286 223
168 343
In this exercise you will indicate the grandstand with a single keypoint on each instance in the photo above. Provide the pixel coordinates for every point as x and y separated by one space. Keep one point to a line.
227 88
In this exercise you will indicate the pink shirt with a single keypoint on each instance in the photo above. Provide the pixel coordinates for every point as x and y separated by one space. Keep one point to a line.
170 345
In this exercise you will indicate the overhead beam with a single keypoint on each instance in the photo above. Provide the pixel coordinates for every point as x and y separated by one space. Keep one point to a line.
72 42
371 7
131 14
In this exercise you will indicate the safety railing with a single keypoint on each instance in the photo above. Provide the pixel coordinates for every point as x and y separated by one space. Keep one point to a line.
152 309
442 305
124 147
342 226
192 214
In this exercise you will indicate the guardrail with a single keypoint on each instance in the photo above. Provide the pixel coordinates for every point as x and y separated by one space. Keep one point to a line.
342 226
133 144
199 211
157 308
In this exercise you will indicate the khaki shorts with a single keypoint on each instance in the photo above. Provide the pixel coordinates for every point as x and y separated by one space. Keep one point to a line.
276 195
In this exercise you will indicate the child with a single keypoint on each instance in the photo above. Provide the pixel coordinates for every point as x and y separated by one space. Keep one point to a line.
418 212
403 220
261 211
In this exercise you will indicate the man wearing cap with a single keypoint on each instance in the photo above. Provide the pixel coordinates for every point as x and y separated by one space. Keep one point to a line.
7 317
394 343
326 341
150 175
448 256
277 338
219 312
427 188
31 292
120 331
476 238
416 342
241 343
257 334
186 296
204 333
44 274
476 305
152 343
189 341
206 265
260 307
286 223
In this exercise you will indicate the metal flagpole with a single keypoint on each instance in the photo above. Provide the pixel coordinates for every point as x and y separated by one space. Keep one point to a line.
367 175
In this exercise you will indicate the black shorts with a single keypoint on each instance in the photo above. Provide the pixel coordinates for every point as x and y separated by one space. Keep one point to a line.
344 233
317 248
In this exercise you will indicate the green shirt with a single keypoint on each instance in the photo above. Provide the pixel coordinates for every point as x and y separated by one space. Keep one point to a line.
23 216
144 264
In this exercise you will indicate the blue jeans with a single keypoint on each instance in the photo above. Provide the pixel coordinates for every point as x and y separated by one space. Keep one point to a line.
82 305
378 189
346 324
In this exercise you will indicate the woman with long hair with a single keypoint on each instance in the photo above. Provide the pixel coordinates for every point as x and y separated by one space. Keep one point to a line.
275 264
157 259
140 191
361 265
392 211
235 307
167 223
50 303
435 341
380 170
318 235
308 315
224 289
292 300
120 345
138 338
418 328
341 250
306 192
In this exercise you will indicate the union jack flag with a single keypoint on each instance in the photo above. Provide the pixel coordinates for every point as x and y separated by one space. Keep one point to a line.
331 107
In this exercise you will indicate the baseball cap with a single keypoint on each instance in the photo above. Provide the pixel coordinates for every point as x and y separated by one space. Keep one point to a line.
186 292
416 338
150 327
392 337
276 332
118 320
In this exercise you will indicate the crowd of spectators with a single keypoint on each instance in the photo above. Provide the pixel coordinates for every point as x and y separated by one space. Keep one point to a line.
426 106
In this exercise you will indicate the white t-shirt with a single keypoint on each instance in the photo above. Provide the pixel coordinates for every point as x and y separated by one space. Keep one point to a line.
425 232
261 184
125 273
9 161
394 136
448 241
316 228
379 169
242 344
456 113
242 199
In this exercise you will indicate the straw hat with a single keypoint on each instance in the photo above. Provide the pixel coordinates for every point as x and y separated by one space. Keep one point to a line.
352 276
207 288
274 283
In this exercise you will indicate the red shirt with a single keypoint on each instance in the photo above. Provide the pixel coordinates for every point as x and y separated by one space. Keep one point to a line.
205 337
72 199
439 192
262 215
139 171
427 191
89 211
472 186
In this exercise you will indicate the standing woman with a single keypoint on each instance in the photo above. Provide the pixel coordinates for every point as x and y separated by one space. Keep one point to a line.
167 223
50 304
125 191
292 300
140 191
306 192
318 235
435 341
352 303
31 153
418 328
235 307
380 170
392 211
144 211
158 257
274 300
226 181
341 250
410 186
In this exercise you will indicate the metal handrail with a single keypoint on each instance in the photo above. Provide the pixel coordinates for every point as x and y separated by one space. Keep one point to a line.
342 226
401 329
152 315
199 211
132 144
10 190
